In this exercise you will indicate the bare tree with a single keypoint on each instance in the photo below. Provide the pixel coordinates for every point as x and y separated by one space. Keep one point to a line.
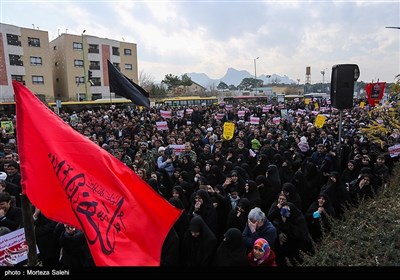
146 81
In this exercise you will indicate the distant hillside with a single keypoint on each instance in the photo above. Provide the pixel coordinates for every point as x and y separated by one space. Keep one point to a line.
235 77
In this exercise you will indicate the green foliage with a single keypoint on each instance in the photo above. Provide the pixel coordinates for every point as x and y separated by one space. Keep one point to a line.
158 91
173 81
369 235
222 85
385 119
186 80
249 83
395 88
232 87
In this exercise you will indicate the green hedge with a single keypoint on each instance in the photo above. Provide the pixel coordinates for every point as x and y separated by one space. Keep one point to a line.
369 235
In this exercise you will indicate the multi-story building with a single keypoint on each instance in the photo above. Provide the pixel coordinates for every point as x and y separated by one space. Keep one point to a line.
25 57
69 68
80 58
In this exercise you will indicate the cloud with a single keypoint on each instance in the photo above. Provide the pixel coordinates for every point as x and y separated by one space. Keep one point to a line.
175 37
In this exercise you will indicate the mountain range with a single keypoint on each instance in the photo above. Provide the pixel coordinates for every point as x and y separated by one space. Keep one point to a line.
235 77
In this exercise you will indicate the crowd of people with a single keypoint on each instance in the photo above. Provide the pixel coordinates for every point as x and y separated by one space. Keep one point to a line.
260 198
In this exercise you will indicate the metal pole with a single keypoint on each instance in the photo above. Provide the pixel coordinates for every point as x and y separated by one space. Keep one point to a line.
29 229
255 74
110 91
340 139
78 94
84 67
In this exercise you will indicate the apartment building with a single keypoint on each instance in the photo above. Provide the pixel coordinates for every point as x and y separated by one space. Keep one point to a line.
80 58
25 57
69 68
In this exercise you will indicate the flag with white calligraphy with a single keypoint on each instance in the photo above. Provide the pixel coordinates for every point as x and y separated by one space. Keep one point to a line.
74 181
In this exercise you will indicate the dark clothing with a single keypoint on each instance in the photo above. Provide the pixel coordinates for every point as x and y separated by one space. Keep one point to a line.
358 192
231 251
252 194
13 219
266 231
182 224
207 211
75 251
297 236
337 194
46 241
170 250
318 226
236 220
13 187
200 250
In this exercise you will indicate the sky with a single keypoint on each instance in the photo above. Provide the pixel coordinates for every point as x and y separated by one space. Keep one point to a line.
178 37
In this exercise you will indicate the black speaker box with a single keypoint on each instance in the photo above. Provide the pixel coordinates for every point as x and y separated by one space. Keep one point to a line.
342 85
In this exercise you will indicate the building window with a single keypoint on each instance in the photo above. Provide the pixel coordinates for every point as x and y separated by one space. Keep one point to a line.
36 60
18 78
13 40
96 96
77 46
37 80
33 42
93 48
127 52
16 60
94 65
78 63
116 65
128 66
115 51
79 80
96 81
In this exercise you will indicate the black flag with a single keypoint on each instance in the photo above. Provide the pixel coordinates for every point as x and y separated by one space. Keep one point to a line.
121 85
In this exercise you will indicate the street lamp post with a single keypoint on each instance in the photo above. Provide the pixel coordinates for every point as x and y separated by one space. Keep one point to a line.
323 79
298 85
84 67
255 73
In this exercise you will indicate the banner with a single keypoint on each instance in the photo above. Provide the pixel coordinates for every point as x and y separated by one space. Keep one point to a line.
254 120
319 121
8 127
162 125
375 92
178 149
13 248
165 114
394 151
229 129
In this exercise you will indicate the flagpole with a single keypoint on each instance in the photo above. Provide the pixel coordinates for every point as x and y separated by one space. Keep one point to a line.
29 229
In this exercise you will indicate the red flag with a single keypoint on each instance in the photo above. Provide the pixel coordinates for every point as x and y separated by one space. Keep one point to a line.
74 181
375 92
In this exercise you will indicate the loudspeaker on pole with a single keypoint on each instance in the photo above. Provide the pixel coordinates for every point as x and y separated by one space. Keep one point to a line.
342 85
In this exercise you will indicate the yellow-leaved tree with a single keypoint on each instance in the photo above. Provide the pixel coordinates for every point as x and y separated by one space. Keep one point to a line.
384 128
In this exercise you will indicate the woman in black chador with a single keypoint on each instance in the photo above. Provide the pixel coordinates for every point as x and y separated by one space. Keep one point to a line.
199 244
231 251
